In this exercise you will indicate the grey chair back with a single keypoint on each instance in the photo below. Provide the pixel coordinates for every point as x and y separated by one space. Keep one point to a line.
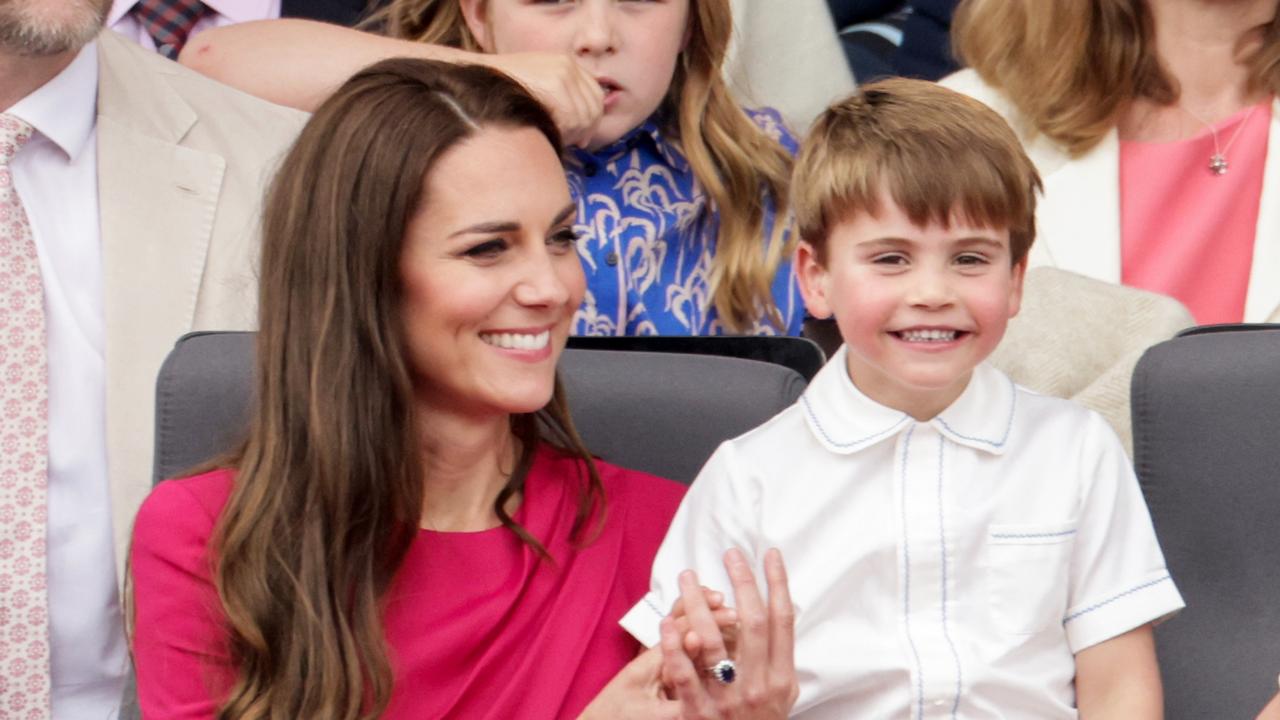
1206 432
663 413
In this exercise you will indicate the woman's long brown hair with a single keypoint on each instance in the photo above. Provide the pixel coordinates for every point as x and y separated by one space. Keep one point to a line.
734 161
1071 67
328 491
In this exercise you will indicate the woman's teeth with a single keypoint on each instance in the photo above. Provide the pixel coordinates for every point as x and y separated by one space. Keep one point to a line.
517 341
927 335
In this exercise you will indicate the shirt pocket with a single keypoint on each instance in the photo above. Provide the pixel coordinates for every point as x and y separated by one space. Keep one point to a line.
1027 568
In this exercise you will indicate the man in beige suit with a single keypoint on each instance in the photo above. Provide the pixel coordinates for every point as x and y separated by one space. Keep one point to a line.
142 183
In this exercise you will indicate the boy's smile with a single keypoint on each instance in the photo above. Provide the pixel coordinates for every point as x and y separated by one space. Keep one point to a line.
919 307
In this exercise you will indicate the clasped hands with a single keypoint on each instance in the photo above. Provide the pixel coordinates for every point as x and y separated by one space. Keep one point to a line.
672 680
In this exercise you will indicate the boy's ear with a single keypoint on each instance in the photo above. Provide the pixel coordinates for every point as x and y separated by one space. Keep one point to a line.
812 277
1015 290
474 13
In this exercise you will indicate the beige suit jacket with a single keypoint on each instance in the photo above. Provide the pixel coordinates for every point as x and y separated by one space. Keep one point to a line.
182 165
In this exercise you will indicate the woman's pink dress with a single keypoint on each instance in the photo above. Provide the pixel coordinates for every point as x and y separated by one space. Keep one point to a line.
478 627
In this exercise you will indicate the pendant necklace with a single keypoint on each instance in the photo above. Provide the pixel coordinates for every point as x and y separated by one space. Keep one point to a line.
1218 164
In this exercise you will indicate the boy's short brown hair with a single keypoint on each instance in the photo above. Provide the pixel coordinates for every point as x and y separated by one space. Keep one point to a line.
938 154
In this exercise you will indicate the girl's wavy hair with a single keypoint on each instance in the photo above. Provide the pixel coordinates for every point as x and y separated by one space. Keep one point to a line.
1070 67
328 492
742 169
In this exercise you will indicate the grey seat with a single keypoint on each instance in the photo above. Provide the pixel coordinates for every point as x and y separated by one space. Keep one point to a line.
663 413
1206 430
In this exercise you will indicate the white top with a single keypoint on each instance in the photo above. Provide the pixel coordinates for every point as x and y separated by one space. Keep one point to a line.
942 569
56 175
224 12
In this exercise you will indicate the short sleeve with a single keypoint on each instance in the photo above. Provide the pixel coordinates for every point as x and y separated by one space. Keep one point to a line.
1118 576
718 513
178 636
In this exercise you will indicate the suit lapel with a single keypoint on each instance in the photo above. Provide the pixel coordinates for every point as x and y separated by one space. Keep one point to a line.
156 204
1079 216
1263 300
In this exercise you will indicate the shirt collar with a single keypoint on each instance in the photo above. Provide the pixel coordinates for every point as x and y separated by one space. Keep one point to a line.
234 10
64 110
845 420
649 132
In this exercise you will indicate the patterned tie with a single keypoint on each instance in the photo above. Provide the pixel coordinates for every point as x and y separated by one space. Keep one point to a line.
24 452
169 22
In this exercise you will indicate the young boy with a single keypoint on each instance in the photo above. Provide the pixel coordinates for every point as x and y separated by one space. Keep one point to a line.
957 546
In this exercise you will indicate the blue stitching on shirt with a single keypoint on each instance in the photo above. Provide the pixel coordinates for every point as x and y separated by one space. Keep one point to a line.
906 596
1112 599
818 423
1013 405
1028 536
653 607
942 538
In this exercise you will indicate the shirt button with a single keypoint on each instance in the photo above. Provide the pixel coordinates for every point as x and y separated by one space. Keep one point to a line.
590 169
611 258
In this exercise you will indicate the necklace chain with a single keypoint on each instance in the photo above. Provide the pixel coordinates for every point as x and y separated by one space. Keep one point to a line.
1218 164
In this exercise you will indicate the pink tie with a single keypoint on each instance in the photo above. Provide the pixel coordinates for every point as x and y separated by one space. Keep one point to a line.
24 452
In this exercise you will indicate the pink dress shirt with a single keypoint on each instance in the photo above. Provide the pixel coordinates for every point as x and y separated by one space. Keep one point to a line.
1186 232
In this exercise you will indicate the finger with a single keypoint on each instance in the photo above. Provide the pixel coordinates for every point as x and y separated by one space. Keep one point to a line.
714 598
782 625
681 675
726 620
701 620
753 636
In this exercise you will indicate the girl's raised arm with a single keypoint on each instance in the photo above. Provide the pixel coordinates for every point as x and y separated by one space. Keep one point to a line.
299 63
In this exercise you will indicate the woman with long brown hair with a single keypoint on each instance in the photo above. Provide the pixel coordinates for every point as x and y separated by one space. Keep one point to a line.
682 193
413 527
1152 123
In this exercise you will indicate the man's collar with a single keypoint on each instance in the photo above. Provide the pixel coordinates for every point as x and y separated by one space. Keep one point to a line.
845 420
64 110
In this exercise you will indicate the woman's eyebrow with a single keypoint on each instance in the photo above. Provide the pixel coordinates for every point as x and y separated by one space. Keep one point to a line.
495 227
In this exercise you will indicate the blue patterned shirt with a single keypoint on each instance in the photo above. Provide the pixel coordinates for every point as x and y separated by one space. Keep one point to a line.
647 237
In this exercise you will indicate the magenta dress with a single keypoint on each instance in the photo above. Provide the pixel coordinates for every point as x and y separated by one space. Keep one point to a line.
478 627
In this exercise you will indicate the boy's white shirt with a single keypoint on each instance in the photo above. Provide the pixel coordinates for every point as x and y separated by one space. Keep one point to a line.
948 568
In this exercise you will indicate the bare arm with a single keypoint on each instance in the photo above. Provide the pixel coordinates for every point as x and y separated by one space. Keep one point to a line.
299 63
1119 678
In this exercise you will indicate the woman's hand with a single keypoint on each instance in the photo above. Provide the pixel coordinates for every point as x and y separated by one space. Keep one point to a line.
637 691
765 687
572 94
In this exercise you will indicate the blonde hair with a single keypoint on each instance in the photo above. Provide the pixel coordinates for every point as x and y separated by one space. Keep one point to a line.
937 153
742 170
1070 67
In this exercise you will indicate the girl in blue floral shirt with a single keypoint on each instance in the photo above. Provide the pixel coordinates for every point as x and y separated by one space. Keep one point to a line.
679 190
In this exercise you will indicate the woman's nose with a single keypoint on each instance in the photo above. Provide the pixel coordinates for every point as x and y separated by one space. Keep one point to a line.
542 283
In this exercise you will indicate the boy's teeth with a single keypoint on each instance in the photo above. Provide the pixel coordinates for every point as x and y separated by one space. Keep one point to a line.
928 335
517 341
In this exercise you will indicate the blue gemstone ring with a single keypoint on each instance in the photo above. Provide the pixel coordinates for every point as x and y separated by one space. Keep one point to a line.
724 671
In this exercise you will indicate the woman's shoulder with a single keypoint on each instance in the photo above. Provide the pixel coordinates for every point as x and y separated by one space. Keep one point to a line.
643 496
190 503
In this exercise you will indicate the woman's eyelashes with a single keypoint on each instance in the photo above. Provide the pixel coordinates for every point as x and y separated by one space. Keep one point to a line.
563 239
486 249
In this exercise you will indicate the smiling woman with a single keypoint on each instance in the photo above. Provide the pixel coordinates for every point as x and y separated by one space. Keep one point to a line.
412 528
